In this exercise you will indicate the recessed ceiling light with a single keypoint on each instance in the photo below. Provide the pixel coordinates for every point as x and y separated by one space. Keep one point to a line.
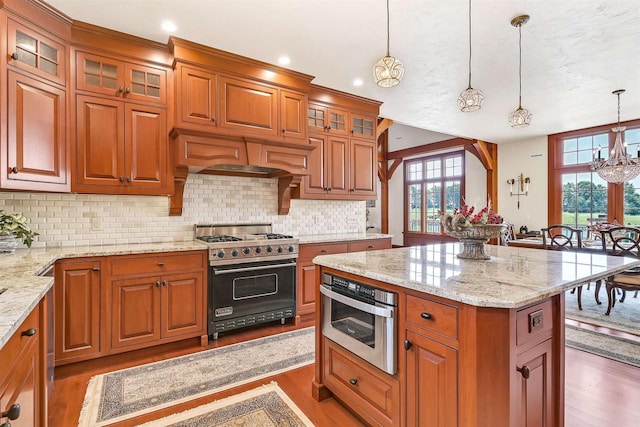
358 82
169 26
284 60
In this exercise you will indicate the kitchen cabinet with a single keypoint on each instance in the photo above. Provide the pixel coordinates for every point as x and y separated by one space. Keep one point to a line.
156 299
22 390
306 285
322 118
78 301
121 148
197 96
34 149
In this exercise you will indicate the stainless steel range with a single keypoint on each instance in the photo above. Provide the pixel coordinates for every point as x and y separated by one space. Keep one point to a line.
252 275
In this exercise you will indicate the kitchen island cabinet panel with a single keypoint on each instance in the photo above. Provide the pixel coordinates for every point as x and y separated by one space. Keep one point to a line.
535 392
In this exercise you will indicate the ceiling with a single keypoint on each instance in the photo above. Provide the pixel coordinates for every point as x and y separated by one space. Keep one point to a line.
574 53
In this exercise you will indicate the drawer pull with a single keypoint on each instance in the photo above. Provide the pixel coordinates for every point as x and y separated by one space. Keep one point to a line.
158 284
14 56
426 316
164 283
524 371
13 170
95 269
160 264
28 333
324 251
407 344
353 381
13 413
371 247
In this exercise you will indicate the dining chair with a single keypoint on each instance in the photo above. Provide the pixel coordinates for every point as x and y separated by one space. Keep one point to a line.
507 234
561 237
621 241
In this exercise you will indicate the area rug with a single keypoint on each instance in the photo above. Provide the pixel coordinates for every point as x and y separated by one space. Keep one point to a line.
624 316
123 394
611 347
265 406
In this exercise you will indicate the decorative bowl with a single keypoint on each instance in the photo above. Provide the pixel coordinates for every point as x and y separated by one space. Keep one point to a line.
8 244
472 236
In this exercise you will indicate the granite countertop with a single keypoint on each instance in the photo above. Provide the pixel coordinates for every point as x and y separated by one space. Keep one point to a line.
514 277
340 237
19 274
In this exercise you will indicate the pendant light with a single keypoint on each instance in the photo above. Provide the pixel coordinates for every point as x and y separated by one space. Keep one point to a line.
620 166
388 71
521 117
470 99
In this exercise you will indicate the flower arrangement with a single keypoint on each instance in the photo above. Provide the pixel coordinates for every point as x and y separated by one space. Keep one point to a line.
473 229
484 216
16 225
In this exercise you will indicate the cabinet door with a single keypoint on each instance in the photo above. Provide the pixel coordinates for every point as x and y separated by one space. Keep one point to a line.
432 378
36 149
337 165
535 393
36 53
315 182
293 108
145 147
144 83
22 388
363 126
338 121
197 96
317 118
182 305
77 310
249 106
306 288
135 313
362 170
99 74
99 144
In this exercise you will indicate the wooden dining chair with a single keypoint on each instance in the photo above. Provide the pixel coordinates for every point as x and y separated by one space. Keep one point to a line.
621 241
507 234
561 237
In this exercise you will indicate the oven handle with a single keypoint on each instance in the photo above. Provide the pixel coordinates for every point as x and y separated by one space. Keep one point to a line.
260 267
362 306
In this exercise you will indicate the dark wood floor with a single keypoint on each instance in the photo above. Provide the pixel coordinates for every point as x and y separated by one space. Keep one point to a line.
599 392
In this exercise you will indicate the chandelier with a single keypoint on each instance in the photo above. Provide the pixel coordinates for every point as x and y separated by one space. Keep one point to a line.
470 99
521 117
620 166
388 71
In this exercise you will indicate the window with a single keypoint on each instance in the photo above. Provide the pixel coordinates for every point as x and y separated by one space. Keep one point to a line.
579 197
433 185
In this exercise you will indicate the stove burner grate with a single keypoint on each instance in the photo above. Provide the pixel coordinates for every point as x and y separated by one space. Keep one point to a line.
218 239
273 236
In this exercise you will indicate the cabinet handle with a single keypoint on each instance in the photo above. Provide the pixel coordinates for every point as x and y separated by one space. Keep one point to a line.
371 247
28 333
213 118
13 169
426 316
328 128
160 264
353 381
407 344
352 190
13 413
324 251
284 130
128 179
120 89
158 284
14 56
95 269
127 90
351 131
121 179
329 189
165 283
524 371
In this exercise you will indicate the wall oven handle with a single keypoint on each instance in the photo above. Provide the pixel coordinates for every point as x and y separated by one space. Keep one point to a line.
259 267
362 306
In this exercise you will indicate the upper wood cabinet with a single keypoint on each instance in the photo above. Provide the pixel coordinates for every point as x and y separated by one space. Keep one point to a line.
322 118
34 151
249 106
197 96
363 126
130 81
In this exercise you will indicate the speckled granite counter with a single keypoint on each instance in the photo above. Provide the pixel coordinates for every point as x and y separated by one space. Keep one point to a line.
514 277
19 274
341 237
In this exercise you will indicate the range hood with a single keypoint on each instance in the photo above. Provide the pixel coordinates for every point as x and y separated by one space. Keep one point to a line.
227 154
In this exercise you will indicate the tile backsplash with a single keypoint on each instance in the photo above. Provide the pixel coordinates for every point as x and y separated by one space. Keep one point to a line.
86 219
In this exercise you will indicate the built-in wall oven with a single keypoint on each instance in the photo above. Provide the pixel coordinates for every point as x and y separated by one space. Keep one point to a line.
360 318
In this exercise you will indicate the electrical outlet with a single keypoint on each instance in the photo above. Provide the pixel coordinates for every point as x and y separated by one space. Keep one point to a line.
316 219
96 224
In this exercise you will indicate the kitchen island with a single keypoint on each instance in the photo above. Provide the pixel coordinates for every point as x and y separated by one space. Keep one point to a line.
478 343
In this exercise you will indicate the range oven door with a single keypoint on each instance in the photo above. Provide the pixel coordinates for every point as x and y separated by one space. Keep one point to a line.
244 294
365 329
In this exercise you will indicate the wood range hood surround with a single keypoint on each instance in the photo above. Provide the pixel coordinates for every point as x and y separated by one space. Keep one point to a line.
251 156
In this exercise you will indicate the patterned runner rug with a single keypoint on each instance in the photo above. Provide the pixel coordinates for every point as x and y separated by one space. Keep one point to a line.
611 347
265 406
123 394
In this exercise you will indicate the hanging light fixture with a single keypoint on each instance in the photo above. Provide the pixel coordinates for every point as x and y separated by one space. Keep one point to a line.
388 71
520 117
470 99
620 166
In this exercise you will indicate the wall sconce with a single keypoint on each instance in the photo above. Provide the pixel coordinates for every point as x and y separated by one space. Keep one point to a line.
522 186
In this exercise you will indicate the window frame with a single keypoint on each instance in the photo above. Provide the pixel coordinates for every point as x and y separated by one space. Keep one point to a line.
442 179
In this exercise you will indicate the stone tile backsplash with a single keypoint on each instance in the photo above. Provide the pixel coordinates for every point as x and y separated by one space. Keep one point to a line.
87 219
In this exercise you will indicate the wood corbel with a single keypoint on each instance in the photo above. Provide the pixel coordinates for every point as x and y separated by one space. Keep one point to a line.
175 200
286 184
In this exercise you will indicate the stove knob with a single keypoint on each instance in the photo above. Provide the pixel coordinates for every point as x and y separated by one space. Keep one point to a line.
279 249
220 254
246 251
258 250
269 249
234 252
291 249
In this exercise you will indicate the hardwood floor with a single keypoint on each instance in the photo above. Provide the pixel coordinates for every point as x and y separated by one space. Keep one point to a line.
599 392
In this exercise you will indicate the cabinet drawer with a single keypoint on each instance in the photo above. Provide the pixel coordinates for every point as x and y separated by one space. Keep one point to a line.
372 393
369 245
157 263
18 342
313 250
534 321
433 316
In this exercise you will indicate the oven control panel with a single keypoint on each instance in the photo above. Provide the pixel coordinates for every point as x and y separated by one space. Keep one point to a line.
359 290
